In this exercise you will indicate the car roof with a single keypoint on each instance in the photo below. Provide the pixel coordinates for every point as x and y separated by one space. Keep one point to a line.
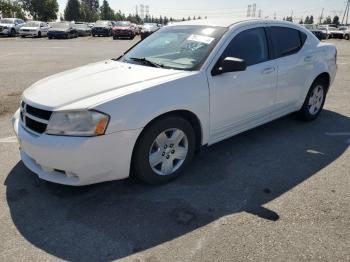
224 22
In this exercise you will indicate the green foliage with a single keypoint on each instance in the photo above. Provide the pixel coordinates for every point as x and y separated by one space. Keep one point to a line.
72 11
107 12
336 20
328 20
11 9
45 10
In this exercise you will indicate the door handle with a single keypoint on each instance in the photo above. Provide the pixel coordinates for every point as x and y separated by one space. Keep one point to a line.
268 70
308 58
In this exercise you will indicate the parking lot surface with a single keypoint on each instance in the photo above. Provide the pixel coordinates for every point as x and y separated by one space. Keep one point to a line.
280 192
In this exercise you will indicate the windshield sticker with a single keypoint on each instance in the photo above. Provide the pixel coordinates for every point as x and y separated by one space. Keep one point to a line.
208 31
201 39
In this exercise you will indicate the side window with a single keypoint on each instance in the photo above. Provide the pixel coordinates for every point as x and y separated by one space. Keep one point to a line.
287 41
250 45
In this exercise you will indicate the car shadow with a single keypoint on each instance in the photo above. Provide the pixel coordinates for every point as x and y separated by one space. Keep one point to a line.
116 219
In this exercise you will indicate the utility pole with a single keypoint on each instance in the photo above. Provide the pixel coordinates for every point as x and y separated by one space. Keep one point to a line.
249 10
346 13
254 9
321 17
275 16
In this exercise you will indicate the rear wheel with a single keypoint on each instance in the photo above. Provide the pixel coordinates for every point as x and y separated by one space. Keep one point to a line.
39 34
314 101
347 37
164 150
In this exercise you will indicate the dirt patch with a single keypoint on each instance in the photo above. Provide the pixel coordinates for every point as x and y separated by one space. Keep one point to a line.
9 103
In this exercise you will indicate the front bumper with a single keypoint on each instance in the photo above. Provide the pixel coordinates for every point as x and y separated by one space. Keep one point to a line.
5 32
58 34
76 161
29 33
123 33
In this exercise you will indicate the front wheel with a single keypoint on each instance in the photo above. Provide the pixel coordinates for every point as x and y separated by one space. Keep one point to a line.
164 150
347 37
314 101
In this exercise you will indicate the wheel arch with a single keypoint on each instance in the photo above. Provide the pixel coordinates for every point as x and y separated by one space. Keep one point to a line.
186 114
325 76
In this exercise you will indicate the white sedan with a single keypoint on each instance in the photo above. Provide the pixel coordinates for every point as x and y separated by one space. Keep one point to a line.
34 28
188 85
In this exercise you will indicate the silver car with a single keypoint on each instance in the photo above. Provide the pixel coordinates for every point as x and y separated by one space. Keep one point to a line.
34 29
10 26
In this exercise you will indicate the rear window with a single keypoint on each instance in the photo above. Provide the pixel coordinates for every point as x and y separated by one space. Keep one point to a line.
287 41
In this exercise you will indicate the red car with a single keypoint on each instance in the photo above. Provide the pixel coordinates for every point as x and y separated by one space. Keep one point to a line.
123 29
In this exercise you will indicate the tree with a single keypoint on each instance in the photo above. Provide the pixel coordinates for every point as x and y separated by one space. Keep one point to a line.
311 20
307 19
89 10
189 18
107 12
336 20
328 20
45 10
11 9
72 11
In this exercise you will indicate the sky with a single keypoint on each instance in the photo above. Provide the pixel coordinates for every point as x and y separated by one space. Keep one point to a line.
229 8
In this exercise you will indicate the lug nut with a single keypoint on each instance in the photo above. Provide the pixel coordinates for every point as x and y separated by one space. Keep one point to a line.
173 151
163 154
165 147
167 157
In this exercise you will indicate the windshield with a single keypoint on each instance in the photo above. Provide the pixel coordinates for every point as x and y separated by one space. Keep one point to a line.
176 47
60 25
32 24
7 21
122 23
101 23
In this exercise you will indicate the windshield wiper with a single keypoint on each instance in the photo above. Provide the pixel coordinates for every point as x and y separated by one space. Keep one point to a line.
145 60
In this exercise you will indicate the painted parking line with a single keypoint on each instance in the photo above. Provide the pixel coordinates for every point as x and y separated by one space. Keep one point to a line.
345 63
10 139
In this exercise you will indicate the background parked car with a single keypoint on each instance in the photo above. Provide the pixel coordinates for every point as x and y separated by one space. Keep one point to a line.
148 29
63 30
102 28
10 26
123 29
83 29
319 33
34 29
346 31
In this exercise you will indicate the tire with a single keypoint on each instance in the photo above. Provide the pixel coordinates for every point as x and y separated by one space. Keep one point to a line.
93 35
115 38
314 102
347 37
164 128
39 34
50 37
13 32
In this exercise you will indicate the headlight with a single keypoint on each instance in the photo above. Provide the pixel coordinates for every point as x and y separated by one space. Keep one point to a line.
78 123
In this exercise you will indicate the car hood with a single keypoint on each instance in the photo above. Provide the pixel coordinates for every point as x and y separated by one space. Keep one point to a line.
122 28
73 86
29 28
58 30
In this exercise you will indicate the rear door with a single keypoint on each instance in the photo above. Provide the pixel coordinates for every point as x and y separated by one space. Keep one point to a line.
294 64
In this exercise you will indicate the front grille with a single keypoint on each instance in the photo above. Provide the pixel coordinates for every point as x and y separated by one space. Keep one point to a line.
34 119
39 112
35 126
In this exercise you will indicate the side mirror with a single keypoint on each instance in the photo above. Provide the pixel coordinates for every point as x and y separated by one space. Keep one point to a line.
230 64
